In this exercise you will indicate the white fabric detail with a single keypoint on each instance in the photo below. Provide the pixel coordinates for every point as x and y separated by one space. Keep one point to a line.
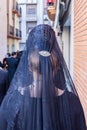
44 53
21 90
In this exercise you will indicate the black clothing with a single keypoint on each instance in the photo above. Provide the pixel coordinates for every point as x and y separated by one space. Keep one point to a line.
12 66
75 109
42 95
76 114
4 84
1 65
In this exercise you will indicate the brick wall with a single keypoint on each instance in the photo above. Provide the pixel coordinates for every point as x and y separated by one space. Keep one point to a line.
80 50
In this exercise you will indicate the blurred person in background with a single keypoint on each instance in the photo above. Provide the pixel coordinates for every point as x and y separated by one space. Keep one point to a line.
12 63
5 66
4 83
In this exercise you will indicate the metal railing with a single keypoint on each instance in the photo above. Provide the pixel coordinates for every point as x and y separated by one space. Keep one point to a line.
10 30
19 11
18 33
14 32
16 9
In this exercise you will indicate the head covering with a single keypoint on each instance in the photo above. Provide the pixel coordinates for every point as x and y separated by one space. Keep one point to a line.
31 98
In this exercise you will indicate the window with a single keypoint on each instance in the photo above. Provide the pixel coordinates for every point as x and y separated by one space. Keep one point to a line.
7 48
20 25
21 46
30 26
31 10
13 48
45 11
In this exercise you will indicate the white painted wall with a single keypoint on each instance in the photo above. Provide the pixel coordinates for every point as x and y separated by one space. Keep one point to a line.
22 1
31 1
3 29
24 18
40 11
23 23
72 39
66 45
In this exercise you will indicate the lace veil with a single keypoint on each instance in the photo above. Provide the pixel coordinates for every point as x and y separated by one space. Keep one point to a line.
41 77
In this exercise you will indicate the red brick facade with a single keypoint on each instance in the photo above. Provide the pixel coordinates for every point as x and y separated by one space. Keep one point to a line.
80 50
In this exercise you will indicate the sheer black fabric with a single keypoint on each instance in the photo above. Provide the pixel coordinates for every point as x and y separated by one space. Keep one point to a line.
42 95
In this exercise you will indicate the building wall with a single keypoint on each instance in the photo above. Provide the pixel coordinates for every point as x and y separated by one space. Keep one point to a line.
3 29
32 15
13 45
66 44
28 19
72 39
40 11
13 20
31 1
10 11
80 50
23 23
